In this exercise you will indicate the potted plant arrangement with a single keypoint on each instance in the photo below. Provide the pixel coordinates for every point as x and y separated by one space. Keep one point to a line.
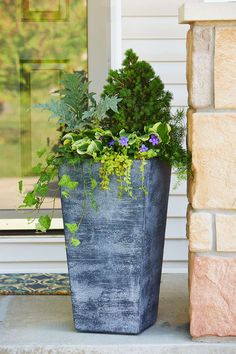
114 161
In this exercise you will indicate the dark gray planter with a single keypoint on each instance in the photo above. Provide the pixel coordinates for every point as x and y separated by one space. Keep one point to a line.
115 273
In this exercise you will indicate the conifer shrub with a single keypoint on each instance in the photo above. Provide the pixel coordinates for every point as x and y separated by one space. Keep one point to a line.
144 100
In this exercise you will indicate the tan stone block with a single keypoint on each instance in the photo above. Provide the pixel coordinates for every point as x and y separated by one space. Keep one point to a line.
225 68
200 66
191 257
189 146
189 188
199 231
213 161
213 297
189 41
189 129
226 232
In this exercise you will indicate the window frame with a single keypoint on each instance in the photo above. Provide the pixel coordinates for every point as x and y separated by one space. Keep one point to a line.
104 52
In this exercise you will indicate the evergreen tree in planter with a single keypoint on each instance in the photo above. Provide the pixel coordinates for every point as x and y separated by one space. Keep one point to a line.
114 161
144 100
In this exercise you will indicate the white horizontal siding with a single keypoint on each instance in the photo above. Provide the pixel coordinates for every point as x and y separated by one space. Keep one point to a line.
171 72
47 254
143 28
175 267
180 97
157 50
176 228
152 8
33 267
176 250
177 188
177 206
151 28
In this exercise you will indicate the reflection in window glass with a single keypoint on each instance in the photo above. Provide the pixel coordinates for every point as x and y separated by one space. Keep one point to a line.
38 40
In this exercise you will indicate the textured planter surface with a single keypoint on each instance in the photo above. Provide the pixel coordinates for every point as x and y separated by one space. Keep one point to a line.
115 272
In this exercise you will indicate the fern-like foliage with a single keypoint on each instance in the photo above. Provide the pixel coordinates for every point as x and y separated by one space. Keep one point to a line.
72 102
97 112
76 108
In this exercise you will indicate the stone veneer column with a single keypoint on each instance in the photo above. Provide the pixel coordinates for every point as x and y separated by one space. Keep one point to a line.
211 74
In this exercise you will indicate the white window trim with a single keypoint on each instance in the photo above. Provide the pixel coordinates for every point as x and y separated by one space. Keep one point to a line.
104 52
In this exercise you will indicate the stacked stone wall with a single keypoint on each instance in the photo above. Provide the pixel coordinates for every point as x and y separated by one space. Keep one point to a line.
211 229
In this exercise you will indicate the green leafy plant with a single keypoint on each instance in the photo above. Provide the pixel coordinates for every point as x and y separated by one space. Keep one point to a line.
131 121
76 108
144 99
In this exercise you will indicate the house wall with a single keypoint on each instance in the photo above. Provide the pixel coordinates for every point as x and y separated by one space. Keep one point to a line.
212 188
151 28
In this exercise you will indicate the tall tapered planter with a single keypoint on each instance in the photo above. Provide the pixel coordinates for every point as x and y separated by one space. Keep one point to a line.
115 273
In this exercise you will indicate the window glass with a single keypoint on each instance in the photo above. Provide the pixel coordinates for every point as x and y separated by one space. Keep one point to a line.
38 40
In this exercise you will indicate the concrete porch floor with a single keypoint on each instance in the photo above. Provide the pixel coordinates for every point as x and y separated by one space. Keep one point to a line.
43 324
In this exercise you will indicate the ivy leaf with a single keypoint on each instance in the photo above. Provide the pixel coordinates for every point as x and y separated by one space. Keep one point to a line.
41 152
112 103
94 204
65 194
151 153
37 169
46 176
88 114
20 186
107 103
44 223
75 242
73 228
93 183
66 181
30 199
41 189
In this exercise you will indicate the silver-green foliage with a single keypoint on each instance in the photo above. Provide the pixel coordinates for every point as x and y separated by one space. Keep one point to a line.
76 107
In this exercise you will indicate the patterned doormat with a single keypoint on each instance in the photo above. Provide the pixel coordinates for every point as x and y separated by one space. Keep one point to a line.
34 284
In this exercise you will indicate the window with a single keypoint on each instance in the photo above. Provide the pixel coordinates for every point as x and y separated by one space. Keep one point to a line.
38 41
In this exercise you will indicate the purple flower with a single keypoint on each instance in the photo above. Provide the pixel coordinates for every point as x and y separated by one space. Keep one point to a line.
100 138
154 140
124 141
111 143
144 148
